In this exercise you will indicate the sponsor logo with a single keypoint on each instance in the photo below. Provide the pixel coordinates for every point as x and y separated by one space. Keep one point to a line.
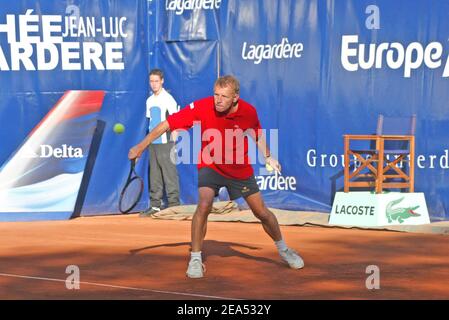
43 42
245 190
65 151
355 210
400 214
27 153
276 182
179 6
283 50
395 55
315 159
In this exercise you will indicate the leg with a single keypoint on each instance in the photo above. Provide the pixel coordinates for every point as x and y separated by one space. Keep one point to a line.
169 174
196 267
268 219
199 221
271 227
155 178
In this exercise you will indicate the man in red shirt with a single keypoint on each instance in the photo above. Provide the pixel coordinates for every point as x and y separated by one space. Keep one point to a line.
225 120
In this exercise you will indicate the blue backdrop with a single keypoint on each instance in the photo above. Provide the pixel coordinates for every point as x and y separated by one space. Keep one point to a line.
315 70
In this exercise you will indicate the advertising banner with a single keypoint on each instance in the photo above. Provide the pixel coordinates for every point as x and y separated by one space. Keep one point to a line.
48 48
43 177
314 70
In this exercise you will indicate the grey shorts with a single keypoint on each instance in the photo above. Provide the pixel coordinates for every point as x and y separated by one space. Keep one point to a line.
208 177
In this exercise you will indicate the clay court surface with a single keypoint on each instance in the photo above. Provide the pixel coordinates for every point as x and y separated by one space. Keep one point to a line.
127 257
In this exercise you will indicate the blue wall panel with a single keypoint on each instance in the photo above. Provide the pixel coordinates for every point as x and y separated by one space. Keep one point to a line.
311 98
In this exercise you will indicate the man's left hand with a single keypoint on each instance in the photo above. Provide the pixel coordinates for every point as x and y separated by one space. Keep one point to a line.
274 164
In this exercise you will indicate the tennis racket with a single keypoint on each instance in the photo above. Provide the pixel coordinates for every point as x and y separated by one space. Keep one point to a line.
132 191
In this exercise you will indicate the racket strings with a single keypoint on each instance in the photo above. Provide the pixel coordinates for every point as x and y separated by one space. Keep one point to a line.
131 195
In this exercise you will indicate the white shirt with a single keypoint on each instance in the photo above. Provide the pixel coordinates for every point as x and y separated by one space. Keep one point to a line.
158 108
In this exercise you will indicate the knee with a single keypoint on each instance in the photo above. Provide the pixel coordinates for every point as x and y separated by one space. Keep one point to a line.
203 208
263 214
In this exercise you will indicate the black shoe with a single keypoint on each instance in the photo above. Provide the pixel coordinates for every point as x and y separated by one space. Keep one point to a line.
149 212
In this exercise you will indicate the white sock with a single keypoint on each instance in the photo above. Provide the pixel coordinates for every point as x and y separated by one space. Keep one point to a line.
281 245
196 255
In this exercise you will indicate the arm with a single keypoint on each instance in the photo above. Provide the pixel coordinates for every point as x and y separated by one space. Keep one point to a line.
174 135
136 151
173 108
262 145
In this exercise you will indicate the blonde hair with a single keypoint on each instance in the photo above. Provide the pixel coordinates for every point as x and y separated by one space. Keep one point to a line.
228 81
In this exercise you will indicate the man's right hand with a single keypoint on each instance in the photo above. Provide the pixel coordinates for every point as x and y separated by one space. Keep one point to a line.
134 152
138 149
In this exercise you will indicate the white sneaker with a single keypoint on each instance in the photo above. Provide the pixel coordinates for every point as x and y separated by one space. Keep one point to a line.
292 258
196 269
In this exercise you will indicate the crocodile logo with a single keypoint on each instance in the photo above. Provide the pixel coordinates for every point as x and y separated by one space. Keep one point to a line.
400 214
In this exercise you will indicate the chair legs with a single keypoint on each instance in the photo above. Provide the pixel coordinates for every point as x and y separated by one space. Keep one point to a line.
393 170
384 171
380 176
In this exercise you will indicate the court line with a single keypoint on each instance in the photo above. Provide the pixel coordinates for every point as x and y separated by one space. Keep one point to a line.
119 287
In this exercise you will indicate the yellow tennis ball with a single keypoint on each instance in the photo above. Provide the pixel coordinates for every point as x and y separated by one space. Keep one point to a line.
268 167
119 128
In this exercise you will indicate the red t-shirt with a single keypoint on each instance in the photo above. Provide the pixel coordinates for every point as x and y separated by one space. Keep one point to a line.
225 137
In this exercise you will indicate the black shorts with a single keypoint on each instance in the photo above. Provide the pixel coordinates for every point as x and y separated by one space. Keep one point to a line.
208 177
